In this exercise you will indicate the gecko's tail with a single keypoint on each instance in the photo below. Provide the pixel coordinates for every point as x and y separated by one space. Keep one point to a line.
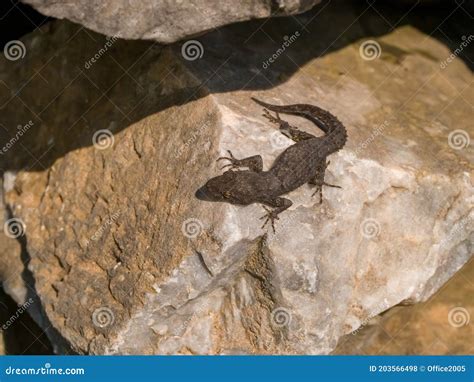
320 117
269 106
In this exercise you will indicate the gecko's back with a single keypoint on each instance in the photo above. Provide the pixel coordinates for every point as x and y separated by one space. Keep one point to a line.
302 161
335 133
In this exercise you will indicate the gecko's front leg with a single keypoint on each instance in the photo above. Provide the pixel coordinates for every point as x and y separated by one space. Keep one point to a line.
253 163
279 205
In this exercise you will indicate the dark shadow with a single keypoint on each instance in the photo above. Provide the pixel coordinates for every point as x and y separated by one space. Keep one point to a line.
18 19
240 51
20 333
68 98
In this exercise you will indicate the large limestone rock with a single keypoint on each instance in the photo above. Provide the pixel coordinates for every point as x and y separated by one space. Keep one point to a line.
126 260
165 21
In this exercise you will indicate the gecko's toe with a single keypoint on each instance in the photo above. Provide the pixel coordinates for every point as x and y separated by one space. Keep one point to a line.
331 185
227 165
269 217
222 158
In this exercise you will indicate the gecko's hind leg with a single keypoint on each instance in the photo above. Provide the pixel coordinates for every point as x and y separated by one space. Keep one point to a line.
319 182
254 163
286 129
279 205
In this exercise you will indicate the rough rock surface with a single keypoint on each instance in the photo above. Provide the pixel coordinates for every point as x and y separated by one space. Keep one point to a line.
165 21
439 326
126 260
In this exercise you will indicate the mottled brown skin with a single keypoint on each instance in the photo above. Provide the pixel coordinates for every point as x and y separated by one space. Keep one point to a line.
303 162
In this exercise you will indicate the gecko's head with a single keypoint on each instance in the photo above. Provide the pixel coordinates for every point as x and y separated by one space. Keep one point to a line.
218 189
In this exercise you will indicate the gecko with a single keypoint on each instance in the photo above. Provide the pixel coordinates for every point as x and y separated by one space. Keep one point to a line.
305 162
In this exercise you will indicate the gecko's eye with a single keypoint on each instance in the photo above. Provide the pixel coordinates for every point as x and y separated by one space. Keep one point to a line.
227 194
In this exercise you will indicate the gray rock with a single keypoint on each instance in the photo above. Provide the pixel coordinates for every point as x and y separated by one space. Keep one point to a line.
165 21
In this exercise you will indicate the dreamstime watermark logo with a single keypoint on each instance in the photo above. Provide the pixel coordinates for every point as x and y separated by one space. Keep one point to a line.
465 42
19 133
191 140
192 50
458 317
103 317
374 134
280 317
110 41
278 140
458 229
290 220
14 228
370 228
17 314
379 308
287 41
370 50
458 139
103 139
192 228
14 50
45 370
98 234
